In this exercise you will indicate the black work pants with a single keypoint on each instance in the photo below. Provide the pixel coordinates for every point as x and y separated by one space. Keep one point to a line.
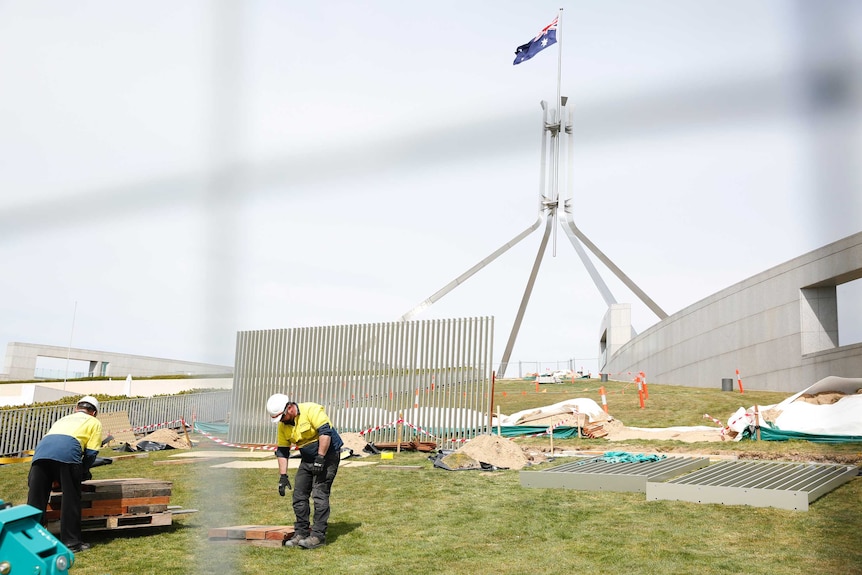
43 474
317 488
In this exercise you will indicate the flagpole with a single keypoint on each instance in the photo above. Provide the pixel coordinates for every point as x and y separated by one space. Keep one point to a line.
559 61
555 177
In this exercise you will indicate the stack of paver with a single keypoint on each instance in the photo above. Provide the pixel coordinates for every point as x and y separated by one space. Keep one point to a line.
259 535
117 504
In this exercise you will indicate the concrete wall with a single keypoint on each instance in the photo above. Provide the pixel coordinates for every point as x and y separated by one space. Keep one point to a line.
778 328
20 363
616 330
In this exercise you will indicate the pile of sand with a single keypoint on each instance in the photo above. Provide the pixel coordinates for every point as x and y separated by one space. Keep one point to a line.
356 443
491 449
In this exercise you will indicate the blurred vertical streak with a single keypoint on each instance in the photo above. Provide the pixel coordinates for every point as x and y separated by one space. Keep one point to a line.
216 494
219 287
830 70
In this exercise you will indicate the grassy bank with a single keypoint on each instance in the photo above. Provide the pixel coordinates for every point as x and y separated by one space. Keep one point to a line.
426 520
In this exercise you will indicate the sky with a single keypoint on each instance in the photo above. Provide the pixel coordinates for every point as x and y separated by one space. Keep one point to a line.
171 174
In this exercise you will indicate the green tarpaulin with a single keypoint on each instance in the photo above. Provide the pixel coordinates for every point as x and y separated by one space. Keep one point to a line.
562 432
772 434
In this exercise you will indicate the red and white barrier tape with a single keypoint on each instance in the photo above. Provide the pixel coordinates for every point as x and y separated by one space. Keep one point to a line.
226 444
365 432
724 428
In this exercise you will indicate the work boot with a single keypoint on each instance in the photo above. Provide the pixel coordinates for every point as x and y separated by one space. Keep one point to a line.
293 541
311 542
79 547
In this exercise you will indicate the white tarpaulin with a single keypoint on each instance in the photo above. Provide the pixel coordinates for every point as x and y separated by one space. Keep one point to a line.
802 414
580 405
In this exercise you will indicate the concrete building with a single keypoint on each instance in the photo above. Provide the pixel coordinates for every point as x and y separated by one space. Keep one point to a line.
22 358
779 328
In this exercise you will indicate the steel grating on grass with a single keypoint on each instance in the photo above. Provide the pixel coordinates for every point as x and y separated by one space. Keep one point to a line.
599 475
784 485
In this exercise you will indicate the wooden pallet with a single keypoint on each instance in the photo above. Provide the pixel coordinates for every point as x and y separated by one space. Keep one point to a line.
142 520
118 522
259 535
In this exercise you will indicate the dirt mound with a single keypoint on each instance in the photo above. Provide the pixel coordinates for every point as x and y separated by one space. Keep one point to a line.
355 443
495 450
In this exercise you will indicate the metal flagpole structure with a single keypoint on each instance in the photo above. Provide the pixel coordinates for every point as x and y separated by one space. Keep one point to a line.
553 125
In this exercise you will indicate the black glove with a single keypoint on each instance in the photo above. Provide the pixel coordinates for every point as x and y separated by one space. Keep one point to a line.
283 482
317 466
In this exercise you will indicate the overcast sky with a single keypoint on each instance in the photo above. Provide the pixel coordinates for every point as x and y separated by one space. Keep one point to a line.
173 173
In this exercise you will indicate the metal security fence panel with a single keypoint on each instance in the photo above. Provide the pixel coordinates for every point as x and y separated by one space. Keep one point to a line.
21 429
426 380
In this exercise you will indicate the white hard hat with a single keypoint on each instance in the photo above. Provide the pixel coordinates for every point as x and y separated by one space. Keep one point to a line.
91 400
275 406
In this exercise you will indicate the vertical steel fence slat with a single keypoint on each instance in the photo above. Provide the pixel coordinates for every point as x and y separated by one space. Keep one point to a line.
435 374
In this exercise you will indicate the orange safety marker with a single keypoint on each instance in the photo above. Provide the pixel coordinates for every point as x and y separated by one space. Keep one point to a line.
643 381
604 399
640 391
739 381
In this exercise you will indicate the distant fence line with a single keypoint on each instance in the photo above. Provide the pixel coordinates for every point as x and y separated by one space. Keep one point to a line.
21 429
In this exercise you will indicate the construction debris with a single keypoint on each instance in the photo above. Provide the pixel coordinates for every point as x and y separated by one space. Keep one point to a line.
426 446
166 437
594 430
355 443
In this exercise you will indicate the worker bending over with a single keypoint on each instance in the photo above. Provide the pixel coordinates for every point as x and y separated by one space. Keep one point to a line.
306 426
65 454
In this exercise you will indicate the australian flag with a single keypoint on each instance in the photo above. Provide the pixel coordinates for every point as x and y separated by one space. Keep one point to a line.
546 37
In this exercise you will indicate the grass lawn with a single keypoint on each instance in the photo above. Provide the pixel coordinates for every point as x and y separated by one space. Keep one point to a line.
426 520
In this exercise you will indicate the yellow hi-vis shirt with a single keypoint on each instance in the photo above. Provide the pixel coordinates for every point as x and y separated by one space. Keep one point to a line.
71 439
311 417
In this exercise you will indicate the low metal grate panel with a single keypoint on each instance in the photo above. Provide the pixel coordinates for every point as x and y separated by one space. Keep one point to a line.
599 475
784 485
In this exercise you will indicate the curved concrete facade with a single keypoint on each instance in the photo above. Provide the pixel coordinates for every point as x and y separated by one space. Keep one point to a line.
778 328
21 358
